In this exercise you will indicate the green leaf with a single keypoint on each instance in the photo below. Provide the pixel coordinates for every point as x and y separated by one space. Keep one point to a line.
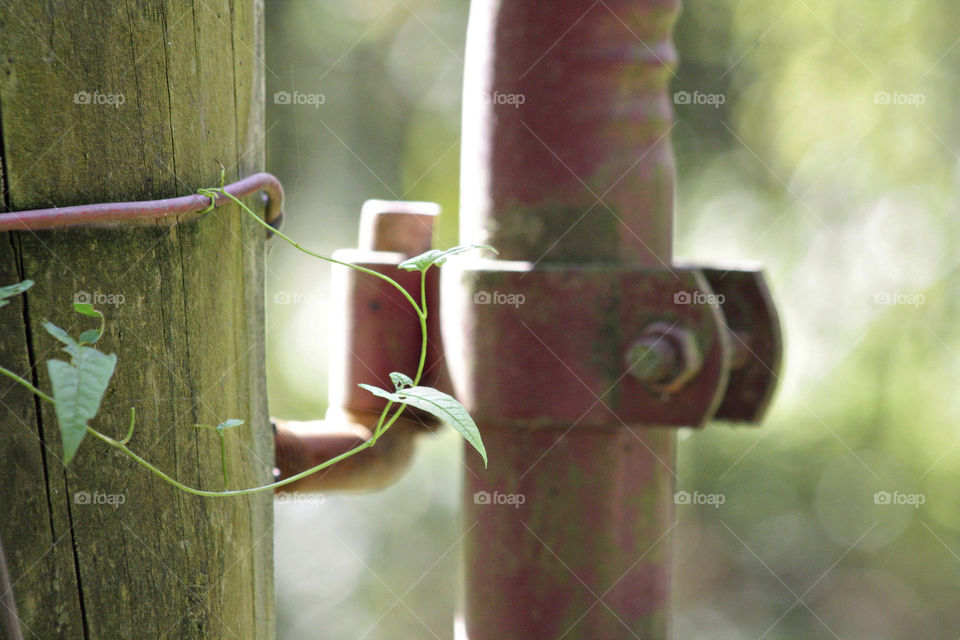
63 337
90 336
13 290
78 388
440 405
436 257
65 380
229 424
400 380
86 309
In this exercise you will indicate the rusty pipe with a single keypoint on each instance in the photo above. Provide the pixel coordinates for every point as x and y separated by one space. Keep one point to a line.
374 333
570 176
169 211
11 621
302 445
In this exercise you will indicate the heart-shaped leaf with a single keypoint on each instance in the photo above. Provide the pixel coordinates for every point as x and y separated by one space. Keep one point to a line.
441 405
78 388
436 257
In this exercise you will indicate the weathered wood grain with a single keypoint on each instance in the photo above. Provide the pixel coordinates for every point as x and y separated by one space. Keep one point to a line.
188 331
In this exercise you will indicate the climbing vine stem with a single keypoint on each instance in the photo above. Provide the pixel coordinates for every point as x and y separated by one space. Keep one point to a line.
79 385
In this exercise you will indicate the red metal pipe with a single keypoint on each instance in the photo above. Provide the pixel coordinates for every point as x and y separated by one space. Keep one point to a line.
567 169
582 170
170 210
302 445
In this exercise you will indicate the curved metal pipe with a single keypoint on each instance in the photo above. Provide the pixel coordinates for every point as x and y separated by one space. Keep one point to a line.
302 445
170 210
374 333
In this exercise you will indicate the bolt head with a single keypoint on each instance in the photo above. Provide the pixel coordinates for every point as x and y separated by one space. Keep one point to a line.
665 357
651 360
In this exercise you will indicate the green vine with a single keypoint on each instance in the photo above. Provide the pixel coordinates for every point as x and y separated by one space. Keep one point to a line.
78 386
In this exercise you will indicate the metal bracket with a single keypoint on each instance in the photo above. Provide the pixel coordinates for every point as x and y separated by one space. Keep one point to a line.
639 347
754 328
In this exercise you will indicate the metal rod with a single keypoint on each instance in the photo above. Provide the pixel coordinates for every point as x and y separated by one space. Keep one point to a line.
11 621
146 211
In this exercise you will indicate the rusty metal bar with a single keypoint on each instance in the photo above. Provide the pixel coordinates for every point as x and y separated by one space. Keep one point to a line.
11 621
168 211
568 171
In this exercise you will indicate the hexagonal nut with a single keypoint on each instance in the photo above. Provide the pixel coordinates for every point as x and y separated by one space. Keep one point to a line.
688 357
652 359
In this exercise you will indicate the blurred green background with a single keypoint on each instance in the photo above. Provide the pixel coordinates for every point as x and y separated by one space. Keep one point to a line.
832 160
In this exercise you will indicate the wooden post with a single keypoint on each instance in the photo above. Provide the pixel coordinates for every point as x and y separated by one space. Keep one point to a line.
109 101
